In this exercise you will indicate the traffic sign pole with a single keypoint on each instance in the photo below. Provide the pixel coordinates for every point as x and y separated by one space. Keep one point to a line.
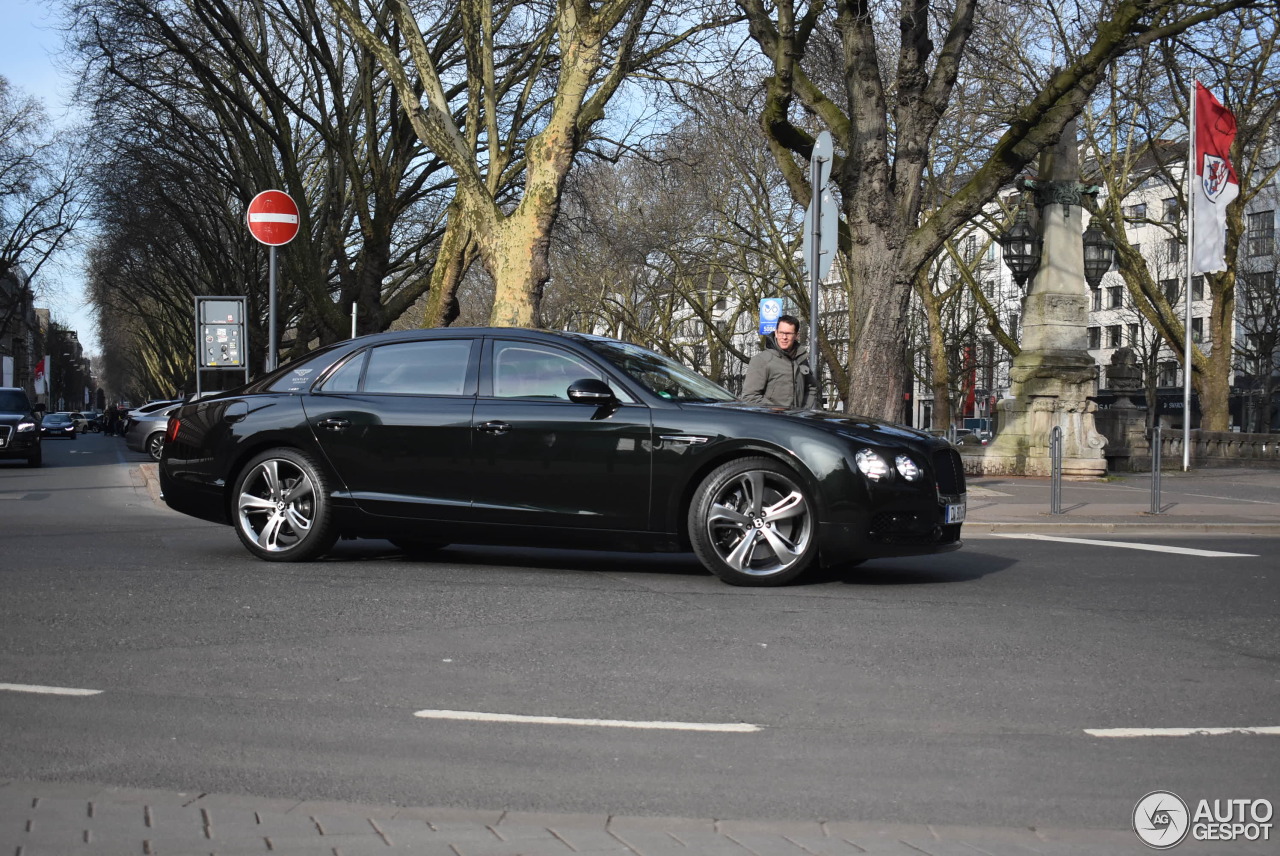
273 220
819 172
271 315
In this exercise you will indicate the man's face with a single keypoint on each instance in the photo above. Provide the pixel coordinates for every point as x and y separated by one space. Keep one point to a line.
785 334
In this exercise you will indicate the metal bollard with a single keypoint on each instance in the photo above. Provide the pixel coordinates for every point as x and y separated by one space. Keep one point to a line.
1055 470
1155 470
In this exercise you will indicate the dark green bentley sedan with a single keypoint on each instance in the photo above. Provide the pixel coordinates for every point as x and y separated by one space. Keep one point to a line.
537 438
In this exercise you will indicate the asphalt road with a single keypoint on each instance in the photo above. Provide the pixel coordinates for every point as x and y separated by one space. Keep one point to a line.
951 690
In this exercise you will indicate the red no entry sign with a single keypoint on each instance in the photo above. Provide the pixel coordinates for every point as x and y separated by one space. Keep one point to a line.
273 218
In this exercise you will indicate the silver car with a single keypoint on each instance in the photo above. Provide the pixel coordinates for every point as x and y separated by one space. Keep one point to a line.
146 431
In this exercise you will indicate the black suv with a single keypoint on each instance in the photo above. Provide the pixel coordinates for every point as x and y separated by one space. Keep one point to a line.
19 427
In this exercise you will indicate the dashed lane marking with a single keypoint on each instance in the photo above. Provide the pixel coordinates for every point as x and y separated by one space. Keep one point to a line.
476 716
1154 548
1267 730
30 688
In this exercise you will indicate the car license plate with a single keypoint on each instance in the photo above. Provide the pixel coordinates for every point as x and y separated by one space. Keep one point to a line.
955 513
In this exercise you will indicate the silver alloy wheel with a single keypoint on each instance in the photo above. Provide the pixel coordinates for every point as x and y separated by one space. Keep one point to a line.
155 445
759 523
277 504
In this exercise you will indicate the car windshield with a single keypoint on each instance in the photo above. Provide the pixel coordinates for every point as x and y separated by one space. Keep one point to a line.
57 417
656 373
14 401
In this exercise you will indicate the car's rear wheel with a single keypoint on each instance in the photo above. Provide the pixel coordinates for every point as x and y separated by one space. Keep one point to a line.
282 507
753 523
155 445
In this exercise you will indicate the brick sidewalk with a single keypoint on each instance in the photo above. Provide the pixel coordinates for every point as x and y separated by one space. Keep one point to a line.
44 819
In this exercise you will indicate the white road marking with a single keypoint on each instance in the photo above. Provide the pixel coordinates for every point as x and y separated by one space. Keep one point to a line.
1154 548
476 716
1268 730
29 688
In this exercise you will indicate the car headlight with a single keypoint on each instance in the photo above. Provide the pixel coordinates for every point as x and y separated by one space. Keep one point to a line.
908 468
871 465
24 427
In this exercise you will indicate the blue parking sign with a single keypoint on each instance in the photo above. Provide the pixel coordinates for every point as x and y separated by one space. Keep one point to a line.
770 309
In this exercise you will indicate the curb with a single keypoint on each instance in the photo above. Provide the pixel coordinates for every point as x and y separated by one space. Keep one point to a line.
1153 528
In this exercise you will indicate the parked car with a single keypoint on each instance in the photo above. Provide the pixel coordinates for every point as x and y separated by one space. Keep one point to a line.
58 425
19 427
81 421
508 436
146 432
129 415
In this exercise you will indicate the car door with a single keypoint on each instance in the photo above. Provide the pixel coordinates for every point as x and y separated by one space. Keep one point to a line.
542 460
394 421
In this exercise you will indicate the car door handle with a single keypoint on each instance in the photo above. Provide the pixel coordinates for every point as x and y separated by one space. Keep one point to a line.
334 424
493 427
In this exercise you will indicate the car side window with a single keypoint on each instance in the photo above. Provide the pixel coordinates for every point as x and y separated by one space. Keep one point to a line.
433 367
527 370
347 377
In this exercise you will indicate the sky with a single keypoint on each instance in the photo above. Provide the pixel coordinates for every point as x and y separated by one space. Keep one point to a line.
29 44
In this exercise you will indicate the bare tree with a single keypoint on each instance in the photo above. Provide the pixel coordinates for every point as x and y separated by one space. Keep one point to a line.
536 83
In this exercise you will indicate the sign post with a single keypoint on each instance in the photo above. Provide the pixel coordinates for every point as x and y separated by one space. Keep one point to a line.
819 243
273 220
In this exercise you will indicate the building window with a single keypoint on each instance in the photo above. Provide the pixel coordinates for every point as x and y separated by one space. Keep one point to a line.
1097 299
1170 289
1197 330
1113 336
1095 337
1173 250
1136 212
1197 288
1262 233
1014 320
1171 210
1168 375
1133 334
1115 297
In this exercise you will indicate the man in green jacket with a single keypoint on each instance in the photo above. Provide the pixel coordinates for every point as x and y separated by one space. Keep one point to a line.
780 374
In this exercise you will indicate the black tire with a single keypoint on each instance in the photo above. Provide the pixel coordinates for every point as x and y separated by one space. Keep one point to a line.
155 445
416 548
281 510
754 523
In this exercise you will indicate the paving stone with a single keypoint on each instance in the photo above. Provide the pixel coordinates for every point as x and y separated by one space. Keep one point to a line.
585 839
767 844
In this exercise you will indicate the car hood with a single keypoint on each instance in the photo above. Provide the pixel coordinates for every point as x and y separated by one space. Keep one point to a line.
13 416
863 427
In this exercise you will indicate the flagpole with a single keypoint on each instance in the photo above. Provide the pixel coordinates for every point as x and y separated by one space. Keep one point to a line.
1186 313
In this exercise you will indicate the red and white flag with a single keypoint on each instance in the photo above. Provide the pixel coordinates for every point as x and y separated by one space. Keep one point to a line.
1215 183
41 371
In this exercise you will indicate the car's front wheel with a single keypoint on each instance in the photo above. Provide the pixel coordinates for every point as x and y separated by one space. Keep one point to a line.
754 523
282 507
155 445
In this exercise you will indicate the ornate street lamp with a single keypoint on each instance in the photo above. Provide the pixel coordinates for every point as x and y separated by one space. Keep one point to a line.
1021 245
1099 253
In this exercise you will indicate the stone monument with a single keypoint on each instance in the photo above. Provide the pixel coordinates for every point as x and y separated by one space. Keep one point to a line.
1053 378
1124 424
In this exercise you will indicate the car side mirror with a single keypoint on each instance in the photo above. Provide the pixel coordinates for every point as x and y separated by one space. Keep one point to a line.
591 390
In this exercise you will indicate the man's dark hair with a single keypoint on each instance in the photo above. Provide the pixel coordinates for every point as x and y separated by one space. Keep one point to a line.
790 319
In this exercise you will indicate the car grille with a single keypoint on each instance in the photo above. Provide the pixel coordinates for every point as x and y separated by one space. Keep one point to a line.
6 434
948 469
